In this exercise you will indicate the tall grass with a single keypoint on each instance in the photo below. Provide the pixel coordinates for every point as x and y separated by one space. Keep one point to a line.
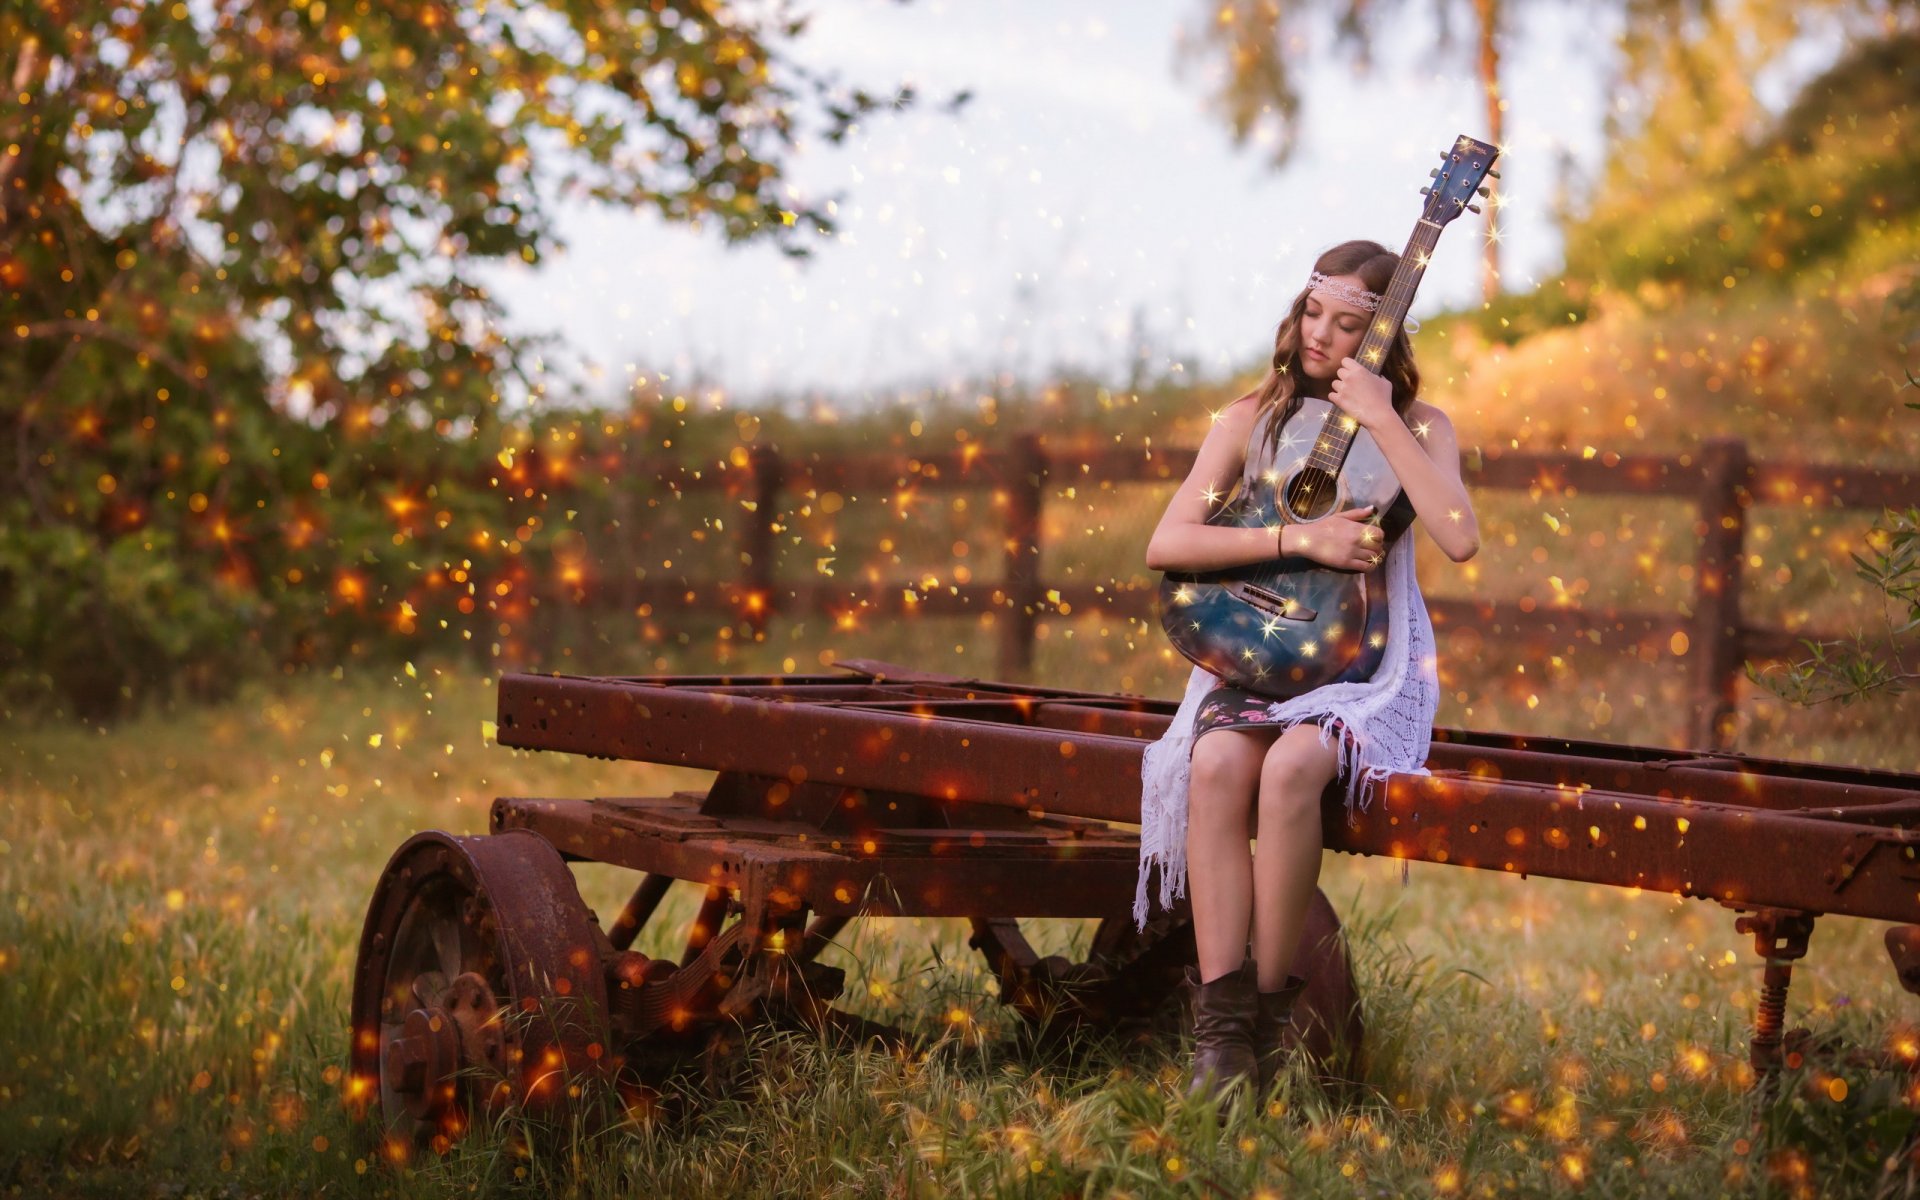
182 897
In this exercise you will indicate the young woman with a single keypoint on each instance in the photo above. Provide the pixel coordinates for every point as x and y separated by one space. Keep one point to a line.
1258 765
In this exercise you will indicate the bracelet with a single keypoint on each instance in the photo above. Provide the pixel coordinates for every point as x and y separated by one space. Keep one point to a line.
1280 542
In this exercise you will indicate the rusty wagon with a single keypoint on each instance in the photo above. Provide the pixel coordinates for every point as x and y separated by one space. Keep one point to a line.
483 979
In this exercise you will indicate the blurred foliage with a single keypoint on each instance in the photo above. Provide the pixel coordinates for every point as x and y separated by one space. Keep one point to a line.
1710 193
1701 183
259 412
1699 196
257 407
1852 668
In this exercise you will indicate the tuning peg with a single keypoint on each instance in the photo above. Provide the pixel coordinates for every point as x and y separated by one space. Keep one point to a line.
1434 174
1426 191
1473 208
1483 191
1495 174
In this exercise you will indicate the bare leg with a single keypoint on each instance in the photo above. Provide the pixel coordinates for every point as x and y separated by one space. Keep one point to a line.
1226 769
1287 849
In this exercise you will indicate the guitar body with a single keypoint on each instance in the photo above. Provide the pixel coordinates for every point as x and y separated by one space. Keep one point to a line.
1291 624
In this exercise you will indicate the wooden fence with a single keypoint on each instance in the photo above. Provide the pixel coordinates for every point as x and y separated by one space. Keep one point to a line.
1720 480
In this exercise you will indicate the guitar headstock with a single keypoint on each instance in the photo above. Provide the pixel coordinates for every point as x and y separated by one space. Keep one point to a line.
1458 178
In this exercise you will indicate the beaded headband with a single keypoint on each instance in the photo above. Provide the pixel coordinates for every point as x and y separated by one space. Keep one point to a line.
1357 297
1354 296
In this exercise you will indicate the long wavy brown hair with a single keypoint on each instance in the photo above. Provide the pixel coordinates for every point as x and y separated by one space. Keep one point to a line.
1375 265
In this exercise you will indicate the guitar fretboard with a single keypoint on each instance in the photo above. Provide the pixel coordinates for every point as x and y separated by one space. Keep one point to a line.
1336 435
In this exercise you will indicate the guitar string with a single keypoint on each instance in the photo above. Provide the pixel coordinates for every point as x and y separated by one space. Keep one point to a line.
1399 292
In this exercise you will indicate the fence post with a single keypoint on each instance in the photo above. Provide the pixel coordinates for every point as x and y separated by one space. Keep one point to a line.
1716 609
757 535
1025 479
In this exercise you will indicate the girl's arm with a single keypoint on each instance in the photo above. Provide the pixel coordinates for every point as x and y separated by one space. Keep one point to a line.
1426 460
1183 541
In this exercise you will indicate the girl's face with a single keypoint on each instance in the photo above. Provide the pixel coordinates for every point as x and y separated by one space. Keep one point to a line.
1331 330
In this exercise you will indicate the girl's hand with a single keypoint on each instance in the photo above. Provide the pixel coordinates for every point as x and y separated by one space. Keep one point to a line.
1343 539
1361 394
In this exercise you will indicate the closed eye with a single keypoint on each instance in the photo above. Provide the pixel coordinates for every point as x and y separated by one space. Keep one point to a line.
1346 325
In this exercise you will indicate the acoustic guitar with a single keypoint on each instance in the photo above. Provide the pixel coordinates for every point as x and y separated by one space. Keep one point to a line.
1289 624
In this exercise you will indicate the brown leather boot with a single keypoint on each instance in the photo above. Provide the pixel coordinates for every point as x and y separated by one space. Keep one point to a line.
1273 1011
1223 1012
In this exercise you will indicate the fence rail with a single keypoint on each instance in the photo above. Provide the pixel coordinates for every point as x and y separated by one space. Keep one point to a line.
1720 480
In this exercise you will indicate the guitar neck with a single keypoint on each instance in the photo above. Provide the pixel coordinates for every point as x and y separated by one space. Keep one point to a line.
1330 448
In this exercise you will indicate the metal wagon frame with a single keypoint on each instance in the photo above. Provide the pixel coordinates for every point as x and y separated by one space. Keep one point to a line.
483 979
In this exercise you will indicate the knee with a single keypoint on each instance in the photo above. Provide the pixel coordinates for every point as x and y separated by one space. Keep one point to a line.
1217 786
1289 805
1290 787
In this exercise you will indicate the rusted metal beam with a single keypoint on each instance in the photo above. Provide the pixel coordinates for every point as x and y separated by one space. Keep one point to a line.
894 872
1739 857
1041 770
693 723
1745 832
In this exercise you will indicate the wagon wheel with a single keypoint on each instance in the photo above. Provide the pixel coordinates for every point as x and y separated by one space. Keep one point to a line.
1130 982
478 988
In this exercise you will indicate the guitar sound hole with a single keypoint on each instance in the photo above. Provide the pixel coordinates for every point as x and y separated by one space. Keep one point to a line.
1312 494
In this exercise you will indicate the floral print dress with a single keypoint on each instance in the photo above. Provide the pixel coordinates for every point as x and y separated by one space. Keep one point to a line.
1230 707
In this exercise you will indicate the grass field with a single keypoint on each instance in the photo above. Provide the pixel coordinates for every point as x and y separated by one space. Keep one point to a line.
182 897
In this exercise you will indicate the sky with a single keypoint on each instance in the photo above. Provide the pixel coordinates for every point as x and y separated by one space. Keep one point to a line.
1082 203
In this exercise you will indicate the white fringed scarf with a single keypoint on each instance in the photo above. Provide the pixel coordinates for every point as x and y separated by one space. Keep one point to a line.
1390 717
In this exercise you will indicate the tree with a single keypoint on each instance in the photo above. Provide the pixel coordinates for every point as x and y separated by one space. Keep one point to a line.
1681 75
1702 182
253 390
1258 42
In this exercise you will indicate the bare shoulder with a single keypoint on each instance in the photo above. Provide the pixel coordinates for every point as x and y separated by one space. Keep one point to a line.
1434 429
1240 412
1421 413
1245 406
1224 445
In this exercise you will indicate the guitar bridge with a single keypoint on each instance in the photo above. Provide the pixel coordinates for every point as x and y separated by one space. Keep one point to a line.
1274 602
